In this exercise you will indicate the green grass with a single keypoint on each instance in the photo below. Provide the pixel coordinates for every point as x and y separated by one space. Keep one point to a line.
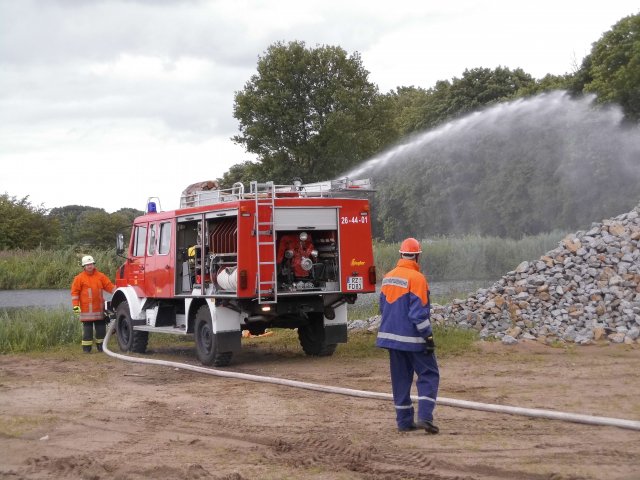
38 329
283 341
449 341
362 311
41 330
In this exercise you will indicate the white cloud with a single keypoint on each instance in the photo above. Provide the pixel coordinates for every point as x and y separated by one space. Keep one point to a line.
112 165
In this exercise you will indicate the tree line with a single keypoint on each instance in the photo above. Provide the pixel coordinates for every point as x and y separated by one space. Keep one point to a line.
311 112
27 226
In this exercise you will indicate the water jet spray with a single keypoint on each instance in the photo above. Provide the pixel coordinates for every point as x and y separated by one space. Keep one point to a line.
518 168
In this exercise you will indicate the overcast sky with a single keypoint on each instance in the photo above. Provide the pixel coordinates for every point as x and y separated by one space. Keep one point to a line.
106 103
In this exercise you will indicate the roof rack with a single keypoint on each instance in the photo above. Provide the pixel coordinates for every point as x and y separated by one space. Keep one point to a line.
342 187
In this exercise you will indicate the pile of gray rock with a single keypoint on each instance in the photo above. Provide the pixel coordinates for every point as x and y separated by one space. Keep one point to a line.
585 290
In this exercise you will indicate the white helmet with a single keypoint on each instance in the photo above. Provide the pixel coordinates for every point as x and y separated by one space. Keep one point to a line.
87 259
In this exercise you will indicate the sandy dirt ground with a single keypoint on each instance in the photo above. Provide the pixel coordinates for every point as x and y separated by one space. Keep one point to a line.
95 417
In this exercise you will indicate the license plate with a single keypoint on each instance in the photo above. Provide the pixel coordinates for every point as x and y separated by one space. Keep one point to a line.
354 283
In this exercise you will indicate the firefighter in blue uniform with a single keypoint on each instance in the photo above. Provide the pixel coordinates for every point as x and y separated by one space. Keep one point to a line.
406 332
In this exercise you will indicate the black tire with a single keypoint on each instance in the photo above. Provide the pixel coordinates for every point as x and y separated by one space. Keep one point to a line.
205 340
129 340
312 337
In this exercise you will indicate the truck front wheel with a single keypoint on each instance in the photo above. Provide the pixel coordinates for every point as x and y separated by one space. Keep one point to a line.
129 340
312 337
206 342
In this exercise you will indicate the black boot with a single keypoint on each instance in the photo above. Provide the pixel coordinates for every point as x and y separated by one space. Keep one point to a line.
86 348
428 426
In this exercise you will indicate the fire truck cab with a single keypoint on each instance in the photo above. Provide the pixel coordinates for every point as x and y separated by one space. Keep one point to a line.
287 256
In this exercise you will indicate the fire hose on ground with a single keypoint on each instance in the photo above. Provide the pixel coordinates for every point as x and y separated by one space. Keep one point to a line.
450 402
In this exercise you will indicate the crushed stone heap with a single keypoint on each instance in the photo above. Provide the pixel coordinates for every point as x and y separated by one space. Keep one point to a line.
587 289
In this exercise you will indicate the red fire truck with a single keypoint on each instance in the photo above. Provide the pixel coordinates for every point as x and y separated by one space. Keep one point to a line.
229 260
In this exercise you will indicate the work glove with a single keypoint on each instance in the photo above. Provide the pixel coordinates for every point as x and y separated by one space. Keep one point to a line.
429 346
76 311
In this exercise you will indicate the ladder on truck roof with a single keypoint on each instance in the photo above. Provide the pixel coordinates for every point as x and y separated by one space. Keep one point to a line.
265 194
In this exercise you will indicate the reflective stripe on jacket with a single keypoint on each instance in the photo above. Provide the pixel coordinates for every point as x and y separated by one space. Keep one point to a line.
86 291
405 308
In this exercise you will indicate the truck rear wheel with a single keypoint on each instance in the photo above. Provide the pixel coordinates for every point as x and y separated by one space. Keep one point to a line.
205 340
312 337
129 340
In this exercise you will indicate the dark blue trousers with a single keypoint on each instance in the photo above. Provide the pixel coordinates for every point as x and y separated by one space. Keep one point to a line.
403 365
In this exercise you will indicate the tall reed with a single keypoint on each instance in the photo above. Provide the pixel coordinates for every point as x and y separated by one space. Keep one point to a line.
471 257
41 268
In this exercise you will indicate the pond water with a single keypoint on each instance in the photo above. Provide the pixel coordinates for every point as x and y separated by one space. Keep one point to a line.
58 298
37 298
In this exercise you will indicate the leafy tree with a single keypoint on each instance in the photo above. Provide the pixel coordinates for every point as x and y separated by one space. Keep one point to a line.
436 109
92 226
309 113
416 109
547 83
480 87
97 228
122 221
128 215
68 217
612 69
242 172
25 226
408 107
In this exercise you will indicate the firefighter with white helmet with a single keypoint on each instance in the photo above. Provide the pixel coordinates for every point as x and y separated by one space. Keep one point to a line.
405 331
87 301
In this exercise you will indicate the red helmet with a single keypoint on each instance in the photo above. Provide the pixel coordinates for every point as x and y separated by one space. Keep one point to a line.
410 246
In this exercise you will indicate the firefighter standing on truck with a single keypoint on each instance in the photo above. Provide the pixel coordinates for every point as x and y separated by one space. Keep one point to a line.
405 330
87 301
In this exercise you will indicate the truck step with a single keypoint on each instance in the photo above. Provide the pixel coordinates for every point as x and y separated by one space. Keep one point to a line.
179 330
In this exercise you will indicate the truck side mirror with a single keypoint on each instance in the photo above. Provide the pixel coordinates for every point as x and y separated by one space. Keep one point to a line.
119 244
